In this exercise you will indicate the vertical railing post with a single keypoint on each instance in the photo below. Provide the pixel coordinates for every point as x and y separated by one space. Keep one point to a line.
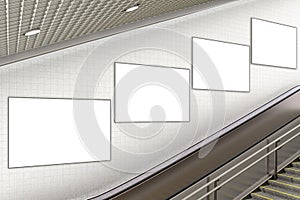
275 161
216 191
268 159
207 188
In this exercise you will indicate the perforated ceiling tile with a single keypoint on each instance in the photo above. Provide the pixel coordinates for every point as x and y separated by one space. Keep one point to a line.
65 19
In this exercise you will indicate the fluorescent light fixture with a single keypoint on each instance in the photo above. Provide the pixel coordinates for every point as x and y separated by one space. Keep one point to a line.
32 32
133 8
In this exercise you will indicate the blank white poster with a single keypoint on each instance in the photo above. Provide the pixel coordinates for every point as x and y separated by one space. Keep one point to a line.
273 44
151 93
219 65
44 132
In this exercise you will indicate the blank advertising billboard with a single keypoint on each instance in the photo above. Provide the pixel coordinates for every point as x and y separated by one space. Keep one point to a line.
43 131
217 60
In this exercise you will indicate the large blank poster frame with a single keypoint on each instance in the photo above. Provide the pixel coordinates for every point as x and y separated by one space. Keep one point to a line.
273 44
227 62
43 131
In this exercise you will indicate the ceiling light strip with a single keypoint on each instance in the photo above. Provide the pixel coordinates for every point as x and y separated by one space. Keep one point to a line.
62 21
54 18
120 9
32 21
81 25
97 17
101 20
7 25
20 25
70 22
107 22
43 21
16 19
101 23
74 18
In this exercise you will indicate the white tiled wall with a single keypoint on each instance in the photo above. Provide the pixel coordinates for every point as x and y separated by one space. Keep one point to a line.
55 75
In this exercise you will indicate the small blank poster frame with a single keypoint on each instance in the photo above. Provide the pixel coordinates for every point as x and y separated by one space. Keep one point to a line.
273 44
218 61
143 90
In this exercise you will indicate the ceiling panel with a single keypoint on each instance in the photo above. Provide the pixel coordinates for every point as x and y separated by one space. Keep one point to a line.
61 20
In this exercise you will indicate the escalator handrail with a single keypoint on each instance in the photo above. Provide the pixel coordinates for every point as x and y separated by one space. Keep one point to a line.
245 160
196 147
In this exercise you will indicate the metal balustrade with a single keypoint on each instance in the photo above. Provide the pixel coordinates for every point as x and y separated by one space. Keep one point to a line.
217 184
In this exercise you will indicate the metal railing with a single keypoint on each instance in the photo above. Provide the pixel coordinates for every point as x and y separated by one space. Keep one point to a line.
215 180
164 166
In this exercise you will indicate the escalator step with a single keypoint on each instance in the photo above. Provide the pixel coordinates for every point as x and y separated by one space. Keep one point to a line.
296 164
289 177
264 196
285 185
282 193
292 170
